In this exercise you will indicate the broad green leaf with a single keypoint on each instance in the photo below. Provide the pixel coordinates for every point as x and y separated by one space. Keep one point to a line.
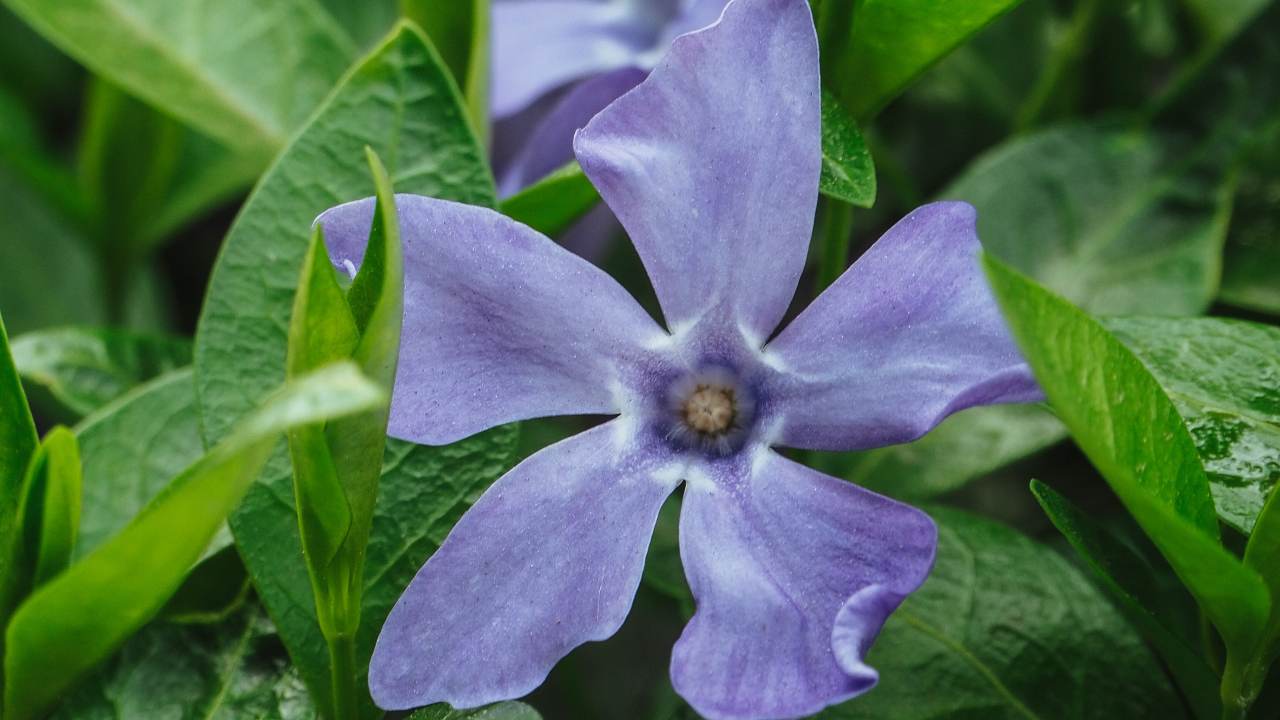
965 446
847 171
460 31
552 204
1130 430
1224 378
86 368
144 173
224 67
1006 628
401 103
366 21
77 620
499 711
1117 222
49 512
872 50
234 670
18 442
1130 580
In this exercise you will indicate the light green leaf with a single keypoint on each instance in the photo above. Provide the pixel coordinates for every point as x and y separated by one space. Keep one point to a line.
49 512
230 671
552 204
1222 20
1130 430
847 171
1224 378
872 50
1262 554
77 620
86 368
221 66
499 711
400 102
1131 581
1006 628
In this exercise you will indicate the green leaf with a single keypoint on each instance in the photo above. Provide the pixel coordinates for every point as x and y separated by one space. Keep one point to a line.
552 204
205 62
1262 554
460 31
400 102
1117 222
847 171
1224 378
145 174
1130 430
1221 20
230 671
18 442
872 50
86 368
49 513
77 620
1251 266
1006 628
499 711
1130 580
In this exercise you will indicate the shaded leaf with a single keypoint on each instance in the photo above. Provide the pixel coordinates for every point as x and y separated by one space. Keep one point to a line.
552 204
18 442
1224 378
202 62
86 368
847 171
498 711
78 619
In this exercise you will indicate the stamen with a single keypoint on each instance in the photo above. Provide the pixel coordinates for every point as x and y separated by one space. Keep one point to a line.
710 410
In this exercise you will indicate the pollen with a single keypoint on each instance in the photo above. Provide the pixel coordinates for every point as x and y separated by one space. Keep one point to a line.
710 410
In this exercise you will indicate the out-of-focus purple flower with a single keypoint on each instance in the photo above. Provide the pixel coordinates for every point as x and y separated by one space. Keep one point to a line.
712 165
556 63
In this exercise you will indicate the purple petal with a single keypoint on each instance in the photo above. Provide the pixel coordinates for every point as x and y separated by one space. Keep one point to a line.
550 145
547 559
539 45
500 323
712 164
907 336
794 573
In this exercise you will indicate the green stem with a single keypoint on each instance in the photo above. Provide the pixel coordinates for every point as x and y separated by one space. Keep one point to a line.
835 225
1241 685
1060 64
342 667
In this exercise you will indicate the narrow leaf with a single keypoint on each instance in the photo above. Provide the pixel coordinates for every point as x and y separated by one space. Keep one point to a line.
1262 554
50 509
18 442
847 171
78 619
552 204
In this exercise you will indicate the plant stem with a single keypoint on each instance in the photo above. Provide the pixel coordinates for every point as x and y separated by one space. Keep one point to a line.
1060 63
342 668
835 225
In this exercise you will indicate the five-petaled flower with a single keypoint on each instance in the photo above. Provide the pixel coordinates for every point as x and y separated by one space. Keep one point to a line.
712 165
556 63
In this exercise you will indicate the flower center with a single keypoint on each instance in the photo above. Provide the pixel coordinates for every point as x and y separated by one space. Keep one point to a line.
711 409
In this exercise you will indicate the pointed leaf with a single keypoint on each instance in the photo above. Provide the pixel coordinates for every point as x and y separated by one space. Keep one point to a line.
50 510
552 204
18 442
1122 420
847 170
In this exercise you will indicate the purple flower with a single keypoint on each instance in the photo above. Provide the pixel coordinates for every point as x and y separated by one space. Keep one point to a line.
556 63
712 165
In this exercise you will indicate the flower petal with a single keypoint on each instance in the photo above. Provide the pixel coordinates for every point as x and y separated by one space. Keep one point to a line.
500 323
550 145
549 558
907 336
794 573
539 45
712 164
